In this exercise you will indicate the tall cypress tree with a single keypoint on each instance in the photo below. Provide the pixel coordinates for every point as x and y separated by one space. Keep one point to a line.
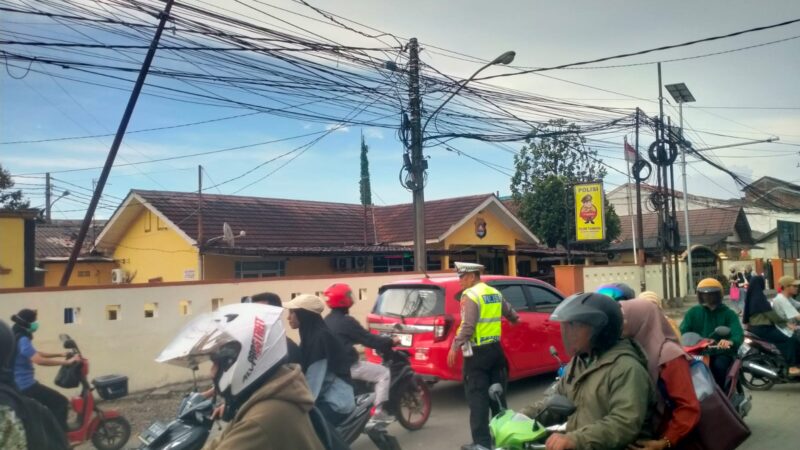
364 184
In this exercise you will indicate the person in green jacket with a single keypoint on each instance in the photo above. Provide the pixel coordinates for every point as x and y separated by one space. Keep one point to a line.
704 318
606 379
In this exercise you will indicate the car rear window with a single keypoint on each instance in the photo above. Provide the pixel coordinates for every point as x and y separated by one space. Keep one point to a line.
410 302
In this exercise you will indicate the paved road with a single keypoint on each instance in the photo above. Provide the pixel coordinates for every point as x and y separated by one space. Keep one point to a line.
774 418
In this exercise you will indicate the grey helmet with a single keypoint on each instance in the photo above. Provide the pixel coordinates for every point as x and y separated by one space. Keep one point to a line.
599 311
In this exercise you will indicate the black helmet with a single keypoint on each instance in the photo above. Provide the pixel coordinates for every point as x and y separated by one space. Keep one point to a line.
599 311
617 291
6 344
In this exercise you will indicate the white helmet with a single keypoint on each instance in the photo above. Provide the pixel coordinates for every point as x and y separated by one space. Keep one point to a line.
245 340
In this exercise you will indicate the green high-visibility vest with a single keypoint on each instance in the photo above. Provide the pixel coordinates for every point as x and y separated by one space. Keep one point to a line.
490 305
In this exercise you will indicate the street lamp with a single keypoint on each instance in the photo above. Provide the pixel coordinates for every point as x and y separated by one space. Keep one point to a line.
505 59
681 94
50 204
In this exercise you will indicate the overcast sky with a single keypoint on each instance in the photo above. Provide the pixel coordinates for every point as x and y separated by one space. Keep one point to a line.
750 93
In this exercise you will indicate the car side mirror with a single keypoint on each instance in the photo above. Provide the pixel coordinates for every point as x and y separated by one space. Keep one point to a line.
722 332
559 405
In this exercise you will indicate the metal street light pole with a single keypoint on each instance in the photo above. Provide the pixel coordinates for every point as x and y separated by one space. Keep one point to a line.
418 165
680 93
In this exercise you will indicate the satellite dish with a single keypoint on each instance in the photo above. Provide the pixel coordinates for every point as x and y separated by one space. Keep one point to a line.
227 234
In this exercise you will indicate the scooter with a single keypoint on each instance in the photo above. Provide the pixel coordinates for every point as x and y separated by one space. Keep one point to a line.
763 365
189 431
700 348
107 429
514 431
409 395
357 422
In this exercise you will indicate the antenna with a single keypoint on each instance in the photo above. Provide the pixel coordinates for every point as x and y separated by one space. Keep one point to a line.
227 234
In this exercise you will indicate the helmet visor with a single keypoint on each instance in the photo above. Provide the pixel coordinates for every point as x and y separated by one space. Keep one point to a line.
196 342
614 292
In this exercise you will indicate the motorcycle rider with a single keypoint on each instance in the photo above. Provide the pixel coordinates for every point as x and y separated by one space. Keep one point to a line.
25 424
25 324
677 407
268 399
767 324
339 298
324 359
705 317
606 379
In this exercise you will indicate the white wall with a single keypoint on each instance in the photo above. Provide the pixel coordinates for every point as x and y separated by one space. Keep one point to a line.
128 346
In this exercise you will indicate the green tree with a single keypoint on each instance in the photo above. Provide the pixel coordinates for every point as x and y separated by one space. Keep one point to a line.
553 159
364 183
10 199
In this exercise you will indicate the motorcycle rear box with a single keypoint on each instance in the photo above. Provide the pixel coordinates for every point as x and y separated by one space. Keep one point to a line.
111 386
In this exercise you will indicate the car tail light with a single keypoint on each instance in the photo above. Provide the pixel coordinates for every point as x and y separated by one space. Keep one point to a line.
440 327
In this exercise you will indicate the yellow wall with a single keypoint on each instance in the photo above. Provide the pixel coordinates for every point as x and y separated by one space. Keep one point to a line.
12 252
496 233
155 253
99 273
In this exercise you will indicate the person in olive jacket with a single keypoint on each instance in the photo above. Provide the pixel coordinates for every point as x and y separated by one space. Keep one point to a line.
607 379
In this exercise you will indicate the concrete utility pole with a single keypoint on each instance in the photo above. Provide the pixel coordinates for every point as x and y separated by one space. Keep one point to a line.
418 163
200 257
48 188
639 219
112 153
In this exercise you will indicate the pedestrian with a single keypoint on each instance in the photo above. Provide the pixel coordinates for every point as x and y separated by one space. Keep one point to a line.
25 324
479 338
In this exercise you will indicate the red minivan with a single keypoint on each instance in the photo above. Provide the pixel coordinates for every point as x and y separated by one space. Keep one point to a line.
425 313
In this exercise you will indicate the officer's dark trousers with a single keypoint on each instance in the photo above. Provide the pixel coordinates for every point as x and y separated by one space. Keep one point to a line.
485 367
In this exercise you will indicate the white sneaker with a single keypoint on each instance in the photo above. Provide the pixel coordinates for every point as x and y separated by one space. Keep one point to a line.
381 417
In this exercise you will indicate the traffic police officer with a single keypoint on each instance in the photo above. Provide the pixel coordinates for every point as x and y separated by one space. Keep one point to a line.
479 340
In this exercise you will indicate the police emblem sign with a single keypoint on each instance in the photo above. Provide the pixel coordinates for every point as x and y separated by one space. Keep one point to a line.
590 214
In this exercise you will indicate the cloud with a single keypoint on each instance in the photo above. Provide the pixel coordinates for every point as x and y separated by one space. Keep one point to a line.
337 127
373 133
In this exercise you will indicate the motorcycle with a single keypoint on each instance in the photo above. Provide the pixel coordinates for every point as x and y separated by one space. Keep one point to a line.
763 365
409 395
514 431
189 431
107 429
357 422
701 348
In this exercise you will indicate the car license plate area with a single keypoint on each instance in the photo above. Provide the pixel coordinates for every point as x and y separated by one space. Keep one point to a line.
406 339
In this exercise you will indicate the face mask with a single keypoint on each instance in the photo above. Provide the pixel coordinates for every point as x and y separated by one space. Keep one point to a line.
34 327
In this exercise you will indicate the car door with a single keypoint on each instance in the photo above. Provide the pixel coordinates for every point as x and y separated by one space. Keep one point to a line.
544 302
526 342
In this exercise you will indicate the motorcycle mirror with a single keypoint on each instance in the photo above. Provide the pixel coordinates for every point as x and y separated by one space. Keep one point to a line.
69 344
64 337
559 405
690 339
495 390
722 332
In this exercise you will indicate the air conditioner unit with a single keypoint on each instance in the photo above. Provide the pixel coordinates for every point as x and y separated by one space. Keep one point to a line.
118 276
343 264
614 256
361 262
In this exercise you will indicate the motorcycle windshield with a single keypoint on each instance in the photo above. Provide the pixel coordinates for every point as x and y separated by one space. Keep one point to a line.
196 342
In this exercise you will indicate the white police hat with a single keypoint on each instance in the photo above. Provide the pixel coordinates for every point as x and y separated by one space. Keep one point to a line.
464 267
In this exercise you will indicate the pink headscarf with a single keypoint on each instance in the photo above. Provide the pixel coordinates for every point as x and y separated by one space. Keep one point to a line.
645 323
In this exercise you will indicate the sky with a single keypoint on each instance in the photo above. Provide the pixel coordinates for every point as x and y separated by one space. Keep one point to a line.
750 93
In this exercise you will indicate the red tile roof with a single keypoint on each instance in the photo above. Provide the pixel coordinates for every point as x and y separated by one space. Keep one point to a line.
708 226
282 223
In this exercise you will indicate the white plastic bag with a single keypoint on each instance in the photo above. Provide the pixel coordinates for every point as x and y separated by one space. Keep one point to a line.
702 379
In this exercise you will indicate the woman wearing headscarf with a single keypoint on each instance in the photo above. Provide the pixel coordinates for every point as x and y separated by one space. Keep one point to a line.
764 322
652 297
678 409
25 324
324 359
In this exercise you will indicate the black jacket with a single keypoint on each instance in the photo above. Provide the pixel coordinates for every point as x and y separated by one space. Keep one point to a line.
350 332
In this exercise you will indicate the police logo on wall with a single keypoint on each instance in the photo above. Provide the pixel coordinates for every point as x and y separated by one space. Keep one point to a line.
480 228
